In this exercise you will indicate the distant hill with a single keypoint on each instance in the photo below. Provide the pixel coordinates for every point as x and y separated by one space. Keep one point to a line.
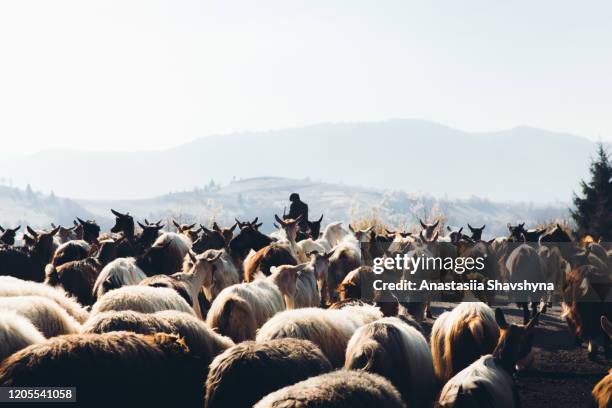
266 196
519 165
24 206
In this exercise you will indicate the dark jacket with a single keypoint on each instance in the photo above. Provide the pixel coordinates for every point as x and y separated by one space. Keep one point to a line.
298 208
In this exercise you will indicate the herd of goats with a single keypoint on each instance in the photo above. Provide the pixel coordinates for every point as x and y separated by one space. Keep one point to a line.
233 317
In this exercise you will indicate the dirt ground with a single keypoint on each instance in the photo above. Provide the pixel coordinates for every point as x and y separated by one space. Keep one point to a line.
561 374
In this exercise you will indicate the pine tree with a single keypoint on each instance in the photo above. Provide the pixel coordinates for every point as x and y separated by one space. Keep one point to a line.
593 209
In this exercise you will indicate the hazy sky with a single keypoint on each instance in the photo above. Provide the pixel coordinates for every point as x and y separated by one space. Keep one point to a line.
150 74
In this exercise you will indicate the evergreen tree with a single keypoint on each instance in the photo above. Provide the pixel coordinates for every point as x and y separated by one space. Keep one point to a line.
593 208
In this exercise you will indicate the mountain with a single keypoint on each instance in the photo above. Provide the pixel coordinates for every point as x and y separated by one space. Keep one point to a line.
518 165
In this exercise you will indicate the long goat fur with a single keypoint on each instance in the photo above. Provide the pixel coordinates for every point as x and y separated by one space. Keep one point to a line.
330 329
10 286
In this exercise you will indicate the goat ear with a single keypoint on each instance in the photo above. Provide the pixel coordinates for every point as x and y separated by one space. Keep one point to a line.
215 257
500 318
273 269
192 257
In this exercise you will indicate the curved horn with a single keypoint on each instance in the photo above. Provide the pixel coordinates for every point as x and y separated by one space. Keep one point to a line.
142 226
277 218
255 220
117 213
215 226
436 224
470 227
233 227
2 229
422 223
32 232
176 224
81 221
320 219
16 229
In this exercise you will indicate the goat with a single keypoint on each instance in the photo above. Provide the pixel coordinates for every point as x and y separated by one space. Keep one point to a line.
70 251
313 230
147 236
79 277
461 336
199 338
488 382
65 234
289 228
249 238
8 235
46 315
346 257
524 263
10 286
28 263
144 299
16 333
210 239
150 370
186 230
217 271
116 274
476 232
263 260
584 302
311 281
397 351
270 366
227 233
90 231
240 309
338 389
330 329
358 284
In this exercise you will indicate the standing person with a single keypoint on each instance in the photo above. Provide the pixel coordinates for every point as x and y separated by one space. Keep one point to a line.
297 208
